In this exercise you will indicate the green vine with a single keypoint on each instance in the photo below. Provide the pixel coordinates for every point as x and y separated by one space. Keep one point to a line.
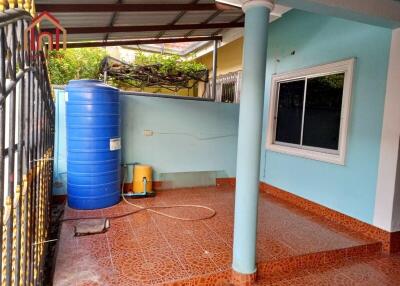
65 65
170 72
148 69
169 64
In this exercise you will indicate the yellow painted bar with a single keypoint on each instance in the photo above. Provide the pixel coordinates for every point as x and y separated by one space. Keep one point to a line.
4 256
33 8
27 5
12 4
3 4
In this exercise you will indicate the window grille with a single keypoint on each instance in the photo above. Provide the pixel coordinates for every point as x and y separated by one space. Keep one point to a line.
228 87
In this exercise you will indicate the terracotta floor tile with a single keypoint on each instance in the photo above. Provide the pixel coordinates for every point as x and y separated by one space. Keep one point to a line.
149 249
268 249
197 261
223 260
94 245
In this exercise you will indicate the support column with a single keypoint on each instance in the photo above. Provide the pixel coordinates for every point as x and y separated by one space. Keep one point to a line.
387 201
214 71
249 139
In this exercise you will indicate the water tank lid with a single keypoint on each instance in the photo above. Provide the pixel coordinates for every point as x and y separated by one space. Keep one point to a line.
88 84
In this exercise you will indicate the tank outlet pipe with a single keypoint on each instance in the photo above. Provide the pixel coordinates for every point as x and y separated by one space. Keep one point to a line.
130 164
132 195
144 193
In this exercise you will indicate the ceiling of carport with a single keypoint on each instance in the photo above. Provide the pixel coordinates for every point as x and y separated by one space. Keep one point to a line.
108 19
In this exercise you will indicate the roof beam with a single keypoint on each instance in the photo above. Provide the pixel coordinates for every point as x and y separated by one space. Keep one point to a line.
112 21
233 22
120 7
206 21
127 29
141 42
176 19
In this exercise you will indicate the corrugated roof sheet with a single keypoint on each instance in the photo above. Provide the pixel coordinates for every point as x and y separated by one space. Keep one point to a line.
144 18
136 19
104 19
98 19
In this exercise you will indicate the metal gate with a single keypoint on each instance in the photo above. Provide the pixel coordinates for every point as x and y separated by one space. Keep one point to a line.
26 152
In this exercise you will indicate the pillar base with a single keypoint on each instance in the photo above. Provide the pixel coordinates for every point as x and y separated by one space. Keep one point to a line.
240 279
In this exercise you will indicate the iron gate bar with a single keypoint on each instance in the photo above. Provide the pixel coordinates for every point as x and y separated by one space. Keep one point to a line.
12 63
18 221
2 137
35 177
12 84
6 151
27 105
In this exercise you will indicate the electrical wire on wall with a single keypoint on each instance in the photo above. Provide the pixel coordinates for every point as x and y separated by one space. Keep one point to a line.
192 135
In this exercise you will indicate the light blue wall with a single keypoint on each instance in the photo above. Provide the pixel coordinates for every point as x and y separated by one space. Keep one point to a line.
198 136
203 136
60 148
316 40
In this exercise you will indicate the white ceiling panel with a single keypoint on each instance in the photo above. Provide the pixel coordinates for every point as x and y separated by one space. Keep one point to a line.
144 18
227 16
195 17
81 19
75 1
157 1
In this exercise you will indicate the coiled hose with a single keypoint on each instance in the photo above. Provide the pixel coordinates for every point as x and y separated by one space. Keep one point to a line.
150 209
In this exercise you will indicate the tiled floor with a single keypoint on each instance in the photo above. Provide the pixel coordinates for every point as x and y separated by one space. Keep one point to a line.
148 249
368 271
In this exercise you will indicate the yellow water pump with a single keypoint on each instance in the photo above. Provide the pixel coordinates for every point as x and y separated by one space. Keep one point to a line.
142 179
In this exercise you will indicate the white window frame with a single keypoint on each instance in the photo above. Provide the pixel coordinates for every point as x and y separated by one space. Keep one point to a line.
315 153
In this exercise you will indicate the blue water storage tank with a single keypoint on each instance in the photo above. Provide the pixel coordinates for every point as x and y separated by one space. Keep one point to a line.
93 144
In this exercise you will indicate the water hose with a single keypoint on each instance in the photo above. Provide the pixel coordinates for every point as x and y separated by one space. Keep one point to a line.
151 208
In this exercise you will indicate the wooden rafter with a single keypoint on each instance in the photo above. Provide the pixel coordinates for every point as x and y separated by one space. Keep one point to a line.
237 20
206 21
127 29
141 42
121 7
112 21
177 18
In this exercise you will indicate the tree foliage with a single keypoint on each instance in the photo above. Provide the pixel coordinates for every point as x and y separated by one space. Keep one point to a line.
65 65
169 64
170 72
147 70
